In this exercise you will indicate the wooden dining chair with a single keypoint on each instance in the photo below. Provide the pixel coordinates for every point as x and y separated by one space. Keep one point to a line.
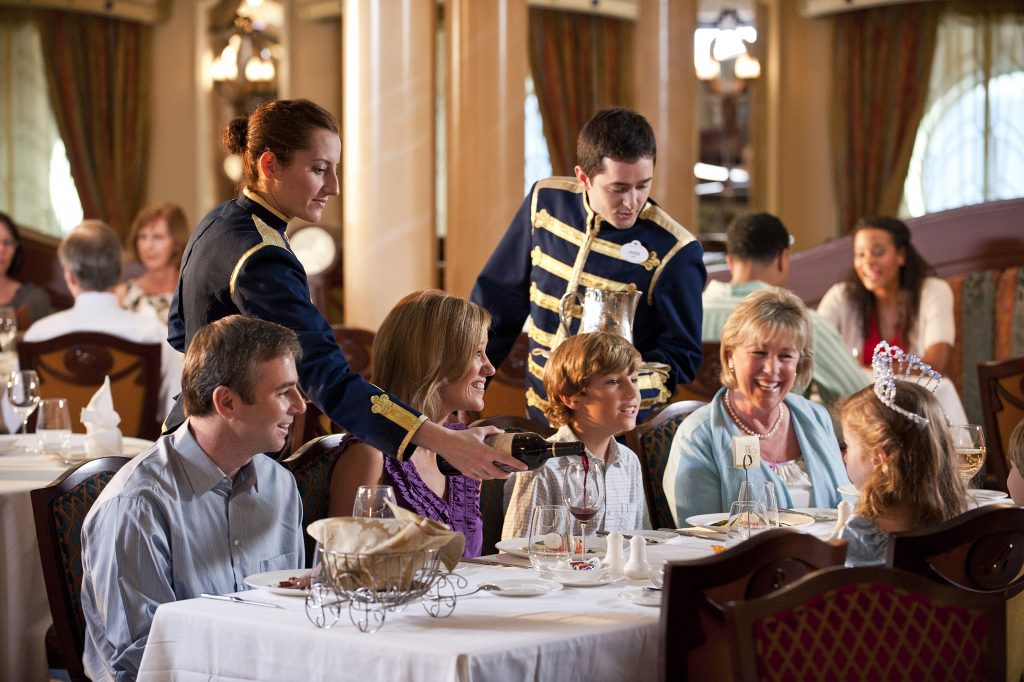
707 379
492 492
312 466
867 623
73 366
691 645
59 510
1001 384
652 441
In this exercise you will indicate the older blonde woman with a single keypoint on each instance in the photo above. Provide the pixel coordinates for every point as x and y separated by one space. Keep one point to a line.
767 351
430 352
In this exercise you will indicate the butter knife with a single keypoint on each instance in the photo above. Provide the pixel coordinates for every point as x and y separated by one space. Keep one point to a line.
239 600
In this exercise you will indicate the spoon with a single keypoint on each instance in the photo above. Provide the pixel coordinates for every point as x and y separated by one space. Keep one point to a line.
483 587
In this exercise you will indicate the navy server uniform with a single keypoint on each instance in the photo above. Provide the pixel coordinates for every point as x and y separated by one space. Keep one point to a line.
239 261
556 244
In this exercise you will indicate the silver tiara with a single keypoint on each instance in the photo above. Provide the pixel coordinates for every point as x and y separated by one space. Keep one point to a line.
891 363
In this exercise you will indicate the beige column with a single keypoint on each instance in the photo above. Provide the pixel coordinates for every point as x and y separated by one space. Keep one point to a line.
487 66
387 154
665 92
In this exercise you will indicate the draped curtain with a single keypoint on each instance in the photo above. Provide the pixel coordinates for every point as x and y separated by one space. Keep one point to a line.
881 62
99 80
580 65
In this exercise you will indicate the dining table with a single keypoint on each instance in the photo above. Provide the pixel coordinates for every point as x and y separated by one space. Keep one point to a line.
604 631
25 611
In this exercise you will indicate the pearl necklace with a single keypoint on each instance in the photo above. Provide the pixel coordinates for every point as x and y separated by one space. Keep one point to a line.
747 429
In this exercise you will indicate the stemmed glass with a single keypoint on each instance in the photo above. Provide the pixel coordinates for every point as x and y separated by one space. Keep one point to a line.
583 490
23 394
969 444
372 502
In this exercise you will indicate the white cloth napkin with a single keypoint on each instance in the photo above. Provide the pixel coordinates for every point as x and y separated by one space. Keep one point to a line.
102 435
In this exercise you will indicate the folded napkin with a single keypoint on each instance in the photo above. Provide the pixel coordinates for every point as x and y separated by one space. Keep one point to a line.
844 510
102 435
383 554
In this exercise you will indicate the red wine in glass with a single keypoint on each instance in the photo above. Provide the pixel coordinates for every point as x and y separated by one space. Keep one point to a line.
584 514
583 491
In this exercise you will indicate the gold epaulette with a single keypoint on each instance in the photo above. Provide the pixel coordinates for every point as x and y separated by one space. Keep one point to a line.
269 237
656 214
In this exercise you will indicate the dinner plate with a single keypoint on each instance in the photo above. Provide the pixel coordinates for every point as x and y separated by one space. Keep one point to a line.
76 451
272 579
849 489
653 537
524 588
581 580
716 522
641 597
517 546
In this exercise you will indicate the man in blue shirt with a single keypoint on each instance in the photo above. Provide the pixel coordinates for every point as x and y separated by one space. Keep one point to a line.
203 508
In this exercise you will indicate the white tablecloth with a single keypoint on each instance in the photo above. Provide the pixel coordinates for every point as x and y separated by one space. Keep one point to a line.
576 633
24 612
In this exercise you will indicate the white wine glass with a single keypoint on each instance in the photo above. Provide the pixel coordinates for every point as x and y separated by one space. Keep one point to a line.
549 537
372 502
53 428
23 394
969 445
583 490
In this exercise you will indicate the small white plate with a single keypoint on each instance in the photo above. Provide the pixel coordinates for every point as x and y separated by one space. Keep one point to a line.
580 580
76 451
272 579
850 490
982 496
524 588
517 546
716 522
653 537
820 514
641 597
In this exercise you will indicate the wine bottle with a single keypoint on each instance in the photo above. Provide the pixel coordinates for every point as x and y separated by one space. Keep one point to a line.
529 448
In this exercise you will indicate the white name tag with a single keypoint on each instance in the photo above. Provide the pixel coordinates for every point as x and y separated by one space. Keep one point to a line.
746 452
634 252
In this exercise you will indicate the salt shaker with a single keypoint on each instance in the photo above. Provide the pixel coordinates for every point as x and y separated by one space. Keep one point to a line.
637 568
613 557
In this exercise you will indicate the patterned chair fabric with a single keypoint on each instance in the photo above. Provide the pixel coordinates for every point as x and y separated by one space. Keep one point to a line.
1002 404
59 510
312 466
869 624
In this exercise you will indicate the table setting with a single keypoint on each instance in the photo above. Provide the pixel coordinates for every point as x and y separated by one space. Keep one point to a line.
28 461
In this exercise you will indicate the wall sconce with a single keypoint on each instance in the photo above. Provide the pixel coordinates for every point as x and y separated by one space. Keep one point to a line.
247 47
726 43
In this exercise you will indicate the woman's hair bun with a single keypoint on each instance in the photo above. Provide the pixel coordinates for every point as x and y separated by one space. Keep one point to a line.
235 134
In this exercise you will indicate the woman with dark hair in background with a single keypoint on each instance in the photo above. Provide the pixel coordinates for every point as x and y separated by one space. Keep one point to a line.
30 301
157 240
892 295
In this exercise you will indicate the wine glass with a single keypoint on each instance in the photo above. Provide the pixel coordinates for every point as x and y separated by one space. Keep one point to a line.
372 502
8 327
583 490
23 394
746 518
53 427
969 444
549 537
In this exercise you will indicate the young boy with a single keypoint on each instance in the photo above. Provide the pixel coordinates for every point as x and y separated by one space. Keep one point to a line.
1015 455
591 380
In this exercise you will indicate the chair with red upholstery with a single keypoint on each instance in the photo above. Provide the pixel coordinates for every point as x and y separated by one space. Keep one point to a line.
868 623
691 644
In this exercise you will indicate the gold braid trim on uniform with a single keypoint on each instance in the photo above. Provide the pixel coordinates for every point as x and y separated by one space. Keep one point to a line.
657 215
655 381
400 455
542 337
572 235
534 369
566 183
534 400
263 202
545 301
385 407
270 237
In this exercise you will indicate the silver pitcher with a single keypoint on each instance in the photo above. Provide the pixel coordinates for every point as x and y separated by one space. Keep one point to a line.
603 311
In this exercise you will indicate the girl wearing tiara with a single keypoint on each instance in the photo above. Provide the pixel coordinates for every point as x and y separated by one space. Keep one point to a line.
900 454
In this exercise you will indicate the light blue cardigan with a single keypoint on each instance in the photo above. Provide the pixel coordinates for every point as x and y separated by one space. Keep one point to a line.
700 478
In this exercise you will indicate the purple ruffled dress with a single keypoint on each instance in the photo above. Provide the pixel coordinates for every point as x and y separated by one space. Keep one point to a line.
461 511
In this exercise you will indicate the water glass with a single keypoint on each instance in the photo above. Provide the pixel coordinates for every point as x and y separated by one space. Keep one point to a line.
746 519
53 428
771 504
372 502
8 327
548 540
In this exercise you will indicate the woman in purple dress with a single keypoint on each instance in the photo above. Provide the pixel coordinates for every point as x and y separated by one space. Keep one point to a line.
430 353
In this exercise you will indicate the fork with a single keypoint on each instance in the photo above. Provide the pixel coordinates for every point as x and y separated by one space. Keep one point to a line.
483 587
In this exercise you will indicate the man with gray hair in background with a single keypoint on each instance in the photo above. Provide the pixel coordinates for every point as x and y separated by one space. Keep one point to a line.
91 258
